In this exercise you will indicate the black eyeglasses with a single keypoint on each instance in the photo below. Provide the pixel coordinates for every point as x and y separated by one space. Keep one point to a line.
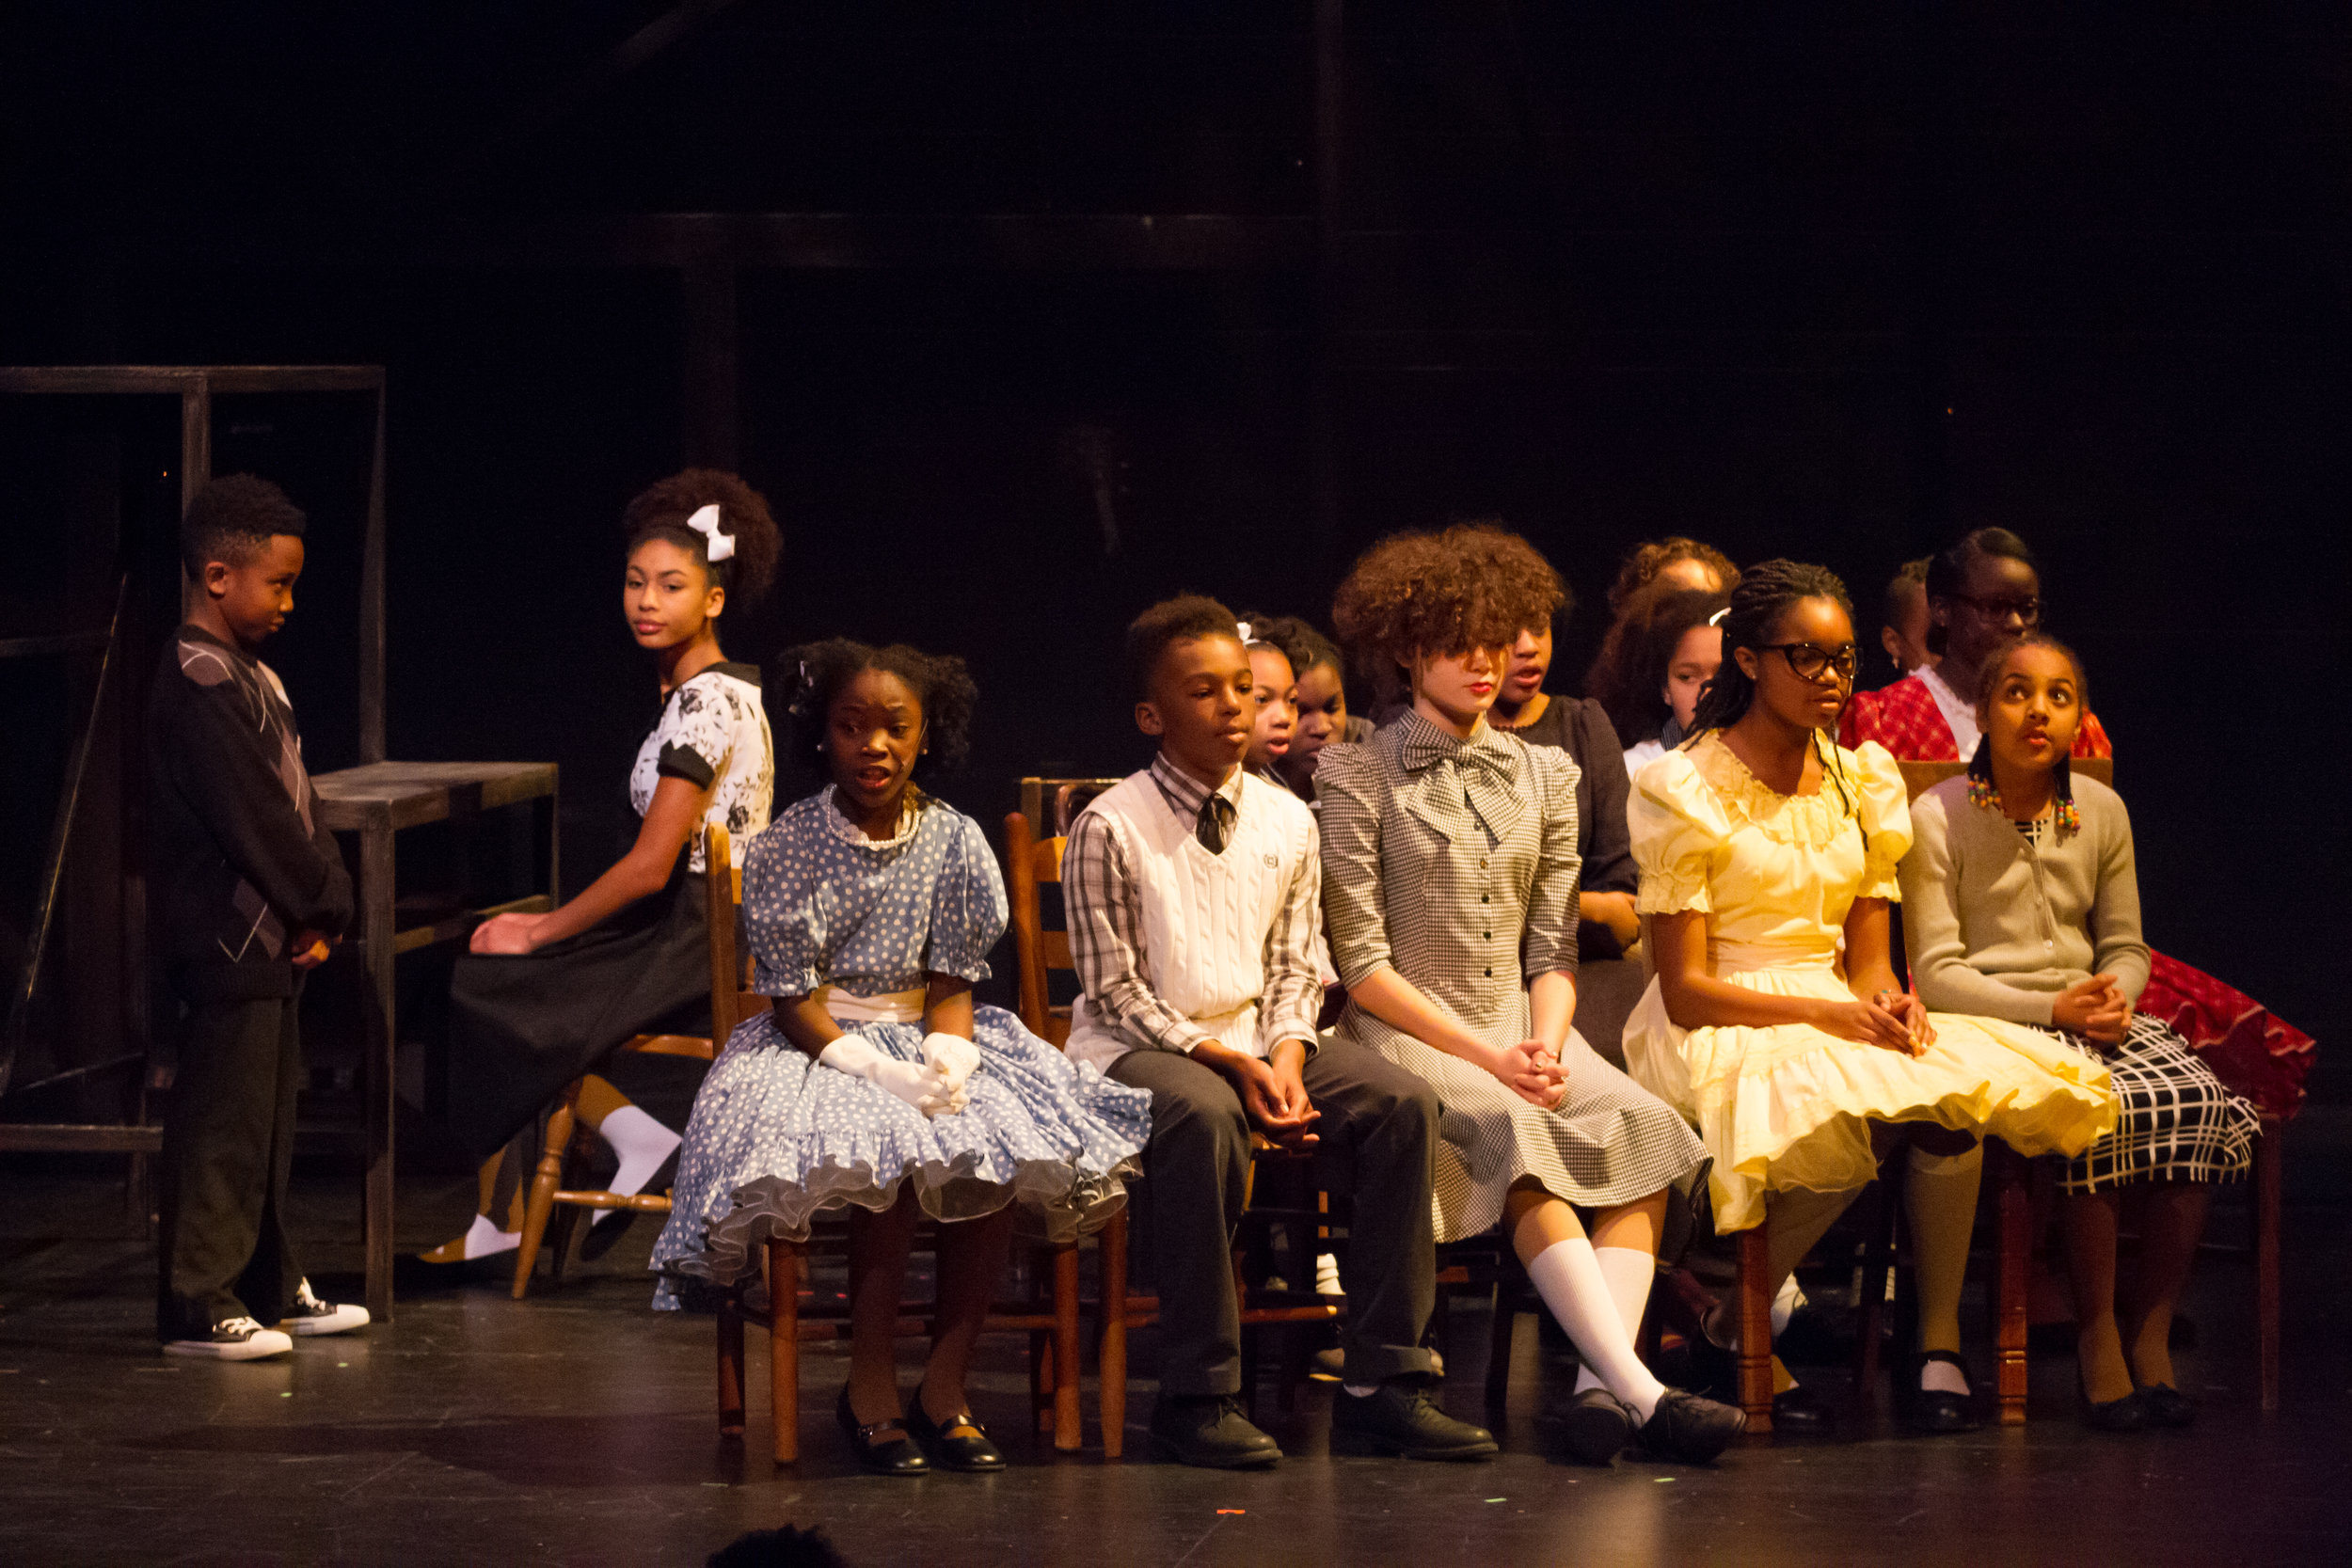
2027 609
1809 659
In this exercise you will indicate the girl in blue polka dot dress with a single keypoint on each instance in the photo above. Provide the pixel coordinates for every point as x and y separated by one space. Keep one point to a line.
874 1083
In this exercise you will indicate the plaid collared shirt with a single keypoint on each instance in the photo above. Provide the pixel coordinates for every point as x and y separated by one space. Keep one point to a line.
1903 718
1107 945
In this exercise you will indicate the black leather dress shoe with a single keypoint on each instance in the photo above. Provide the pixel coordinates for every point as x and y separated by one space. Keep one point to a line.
1801 1413
1690 1428
890 1456
958 1443
1935 1411
2166 1405
1211 1433
1398 1418
1592 1426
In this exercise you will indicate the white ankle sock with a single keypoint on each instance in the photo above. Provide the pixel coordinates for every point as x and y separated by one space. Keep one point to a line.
1630 1273
484 1239
1569 1276
642 1144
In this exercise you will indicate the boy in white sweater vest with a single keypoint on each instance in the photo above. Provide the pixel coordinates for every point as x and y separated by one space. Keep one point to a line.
1194 893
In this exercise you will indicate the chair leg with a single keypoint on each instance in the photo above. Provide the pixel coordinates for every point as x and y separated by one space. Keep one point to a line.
2015 1284
2269 1171
1069 1422
1506 1318
783 1346
543 1185
1878 1263
1111 1351
1756 1330
1042 1367
730 1366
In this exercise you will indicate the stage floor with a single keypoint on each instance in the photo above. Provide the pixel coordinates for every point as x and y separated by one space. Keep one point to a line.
577 1427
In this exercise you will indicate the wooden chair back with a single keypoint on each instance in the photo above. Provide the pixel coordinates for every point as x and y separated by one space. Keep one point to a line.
1920 777
1030 864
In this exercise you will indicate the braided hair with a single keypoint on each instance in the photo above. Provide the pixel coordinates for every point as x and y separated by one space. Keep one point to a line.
1766 593
816 673
1981 790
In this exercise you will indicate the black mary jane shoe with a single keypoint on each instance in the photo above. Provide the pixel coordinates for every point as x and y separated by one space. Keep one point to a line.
2128 1414
2165 1405
1938 1412
960 1443
896 1456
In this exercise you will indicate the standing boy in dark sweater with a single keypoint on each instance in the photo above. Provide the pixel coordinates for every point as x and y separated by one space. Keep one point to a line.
250 892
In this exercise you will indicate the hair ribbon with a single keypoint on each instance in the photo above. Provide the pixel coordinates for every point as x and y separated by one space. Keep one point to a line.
717 546
1717 619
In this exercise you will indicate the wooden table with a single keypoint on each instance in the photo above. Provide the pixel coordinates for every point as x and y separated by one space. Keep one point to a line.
377 802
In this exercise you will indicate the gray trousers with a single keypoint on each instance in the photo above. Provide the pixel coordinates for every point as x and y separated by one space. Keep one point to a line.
1378 1136
227 1149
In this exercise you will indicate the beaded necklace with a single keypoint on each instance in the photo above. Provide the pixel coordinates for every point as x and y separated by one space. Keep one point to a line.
1981 793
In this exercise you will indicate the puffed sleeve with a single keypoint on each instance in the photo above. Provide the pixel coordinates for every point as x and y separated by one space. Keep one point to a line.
694 732
1678 827
1886 813
1548 944
781 911
969 908
1349 795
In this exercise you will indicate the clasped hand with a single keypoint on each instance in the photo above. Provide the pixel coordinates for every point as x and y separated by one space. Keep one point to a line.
507 935
1273 1093
1532 1070
2095 1009
1891 1020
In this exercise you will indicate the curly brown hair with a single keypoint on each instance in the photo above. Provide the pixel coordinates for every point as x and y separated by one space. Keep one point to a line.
660 510
1470 585
1641 567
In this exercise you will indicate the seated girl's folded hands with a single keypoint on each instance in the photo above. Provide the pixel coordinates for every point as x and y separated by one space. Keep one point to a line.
921 1085
956 1059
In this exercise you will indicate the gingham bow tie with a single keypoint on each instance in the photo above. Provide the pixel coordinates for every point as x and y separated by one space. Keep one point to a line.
1427 751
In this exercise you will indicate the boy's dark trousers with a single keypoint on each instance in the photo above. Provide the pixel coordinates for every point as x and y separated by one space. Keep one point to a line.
227 1149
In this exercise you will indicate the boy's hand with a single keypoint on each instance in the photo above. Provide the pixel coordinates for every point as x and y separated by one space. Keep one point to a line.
1275 1103
309 949
509 935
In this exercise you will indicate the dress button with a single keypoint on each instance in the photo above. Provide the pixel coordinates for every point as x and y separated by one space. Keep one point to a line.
1485 899
1488 935
1490 974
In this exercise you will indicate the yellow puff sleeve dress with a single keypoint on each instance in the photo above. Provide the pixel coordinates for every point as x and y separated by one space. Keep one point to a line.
1790 1105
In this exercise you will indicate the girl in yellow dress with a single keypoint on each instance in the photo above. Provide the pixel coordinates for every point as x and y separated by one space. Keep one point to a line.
1767 856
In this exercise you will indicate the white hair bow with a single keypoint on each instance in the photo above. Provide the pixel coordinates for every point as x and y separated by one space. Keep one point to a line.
1246 630
717 546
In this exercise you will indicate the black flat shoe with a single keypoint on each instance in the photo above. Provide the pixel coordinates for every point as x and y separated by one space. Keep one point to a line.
1935 1410
1801 1413
1593 1427
960 1443
2128 1414
2165 1405
895 1456
1690 1428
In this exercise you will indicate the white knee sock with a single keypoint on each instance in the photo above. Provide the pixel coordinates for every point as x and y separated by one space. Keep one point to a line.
642 1144
1630 1272
1569 1276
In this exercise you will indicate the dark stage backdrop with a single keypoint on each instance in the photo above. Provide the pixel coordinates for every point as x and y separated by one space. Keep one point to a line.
1798 281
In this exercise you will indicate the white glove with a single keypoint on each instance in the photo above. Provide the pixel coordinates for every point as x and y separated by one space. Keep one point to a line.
957 1059
919 1084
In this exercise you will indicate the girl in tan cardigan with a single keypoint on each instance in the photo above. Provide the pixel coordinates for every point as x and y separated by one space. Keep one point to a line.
2021 902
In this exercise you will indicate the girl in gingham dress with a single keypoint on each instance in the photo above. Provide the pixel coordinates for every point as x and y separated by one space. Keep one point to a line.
1449 891
874 1083
2024 903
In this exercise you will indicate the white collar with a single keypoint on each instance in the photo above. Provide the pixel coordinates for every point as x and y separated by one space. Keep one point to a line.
1961 716
848 832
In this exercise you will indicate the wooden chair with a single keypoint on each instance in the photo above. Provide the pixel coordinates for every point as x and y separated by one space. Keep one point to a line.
1031 864
1053 1324
565 1139
2268 1155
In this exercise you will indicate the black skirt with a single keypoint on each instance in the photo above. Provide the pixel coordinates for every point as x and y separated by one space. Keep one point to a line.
521 1027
